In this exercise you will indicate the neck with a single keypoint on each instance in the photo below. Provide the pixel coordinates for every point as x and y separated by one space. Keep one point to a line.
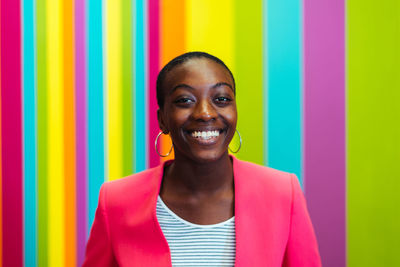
192 177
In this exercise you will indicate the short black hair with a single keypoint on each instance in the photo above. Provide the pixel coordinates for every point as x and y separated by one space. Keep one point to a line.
178 61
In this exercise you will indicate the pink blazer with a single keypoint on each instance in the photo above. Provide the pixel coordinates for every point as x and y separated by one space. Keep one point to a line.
273 227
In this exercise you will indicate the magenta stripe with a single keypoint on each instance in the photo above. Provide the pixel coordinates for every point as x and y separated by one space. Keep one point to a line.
324 170
153 11
11 119
81 129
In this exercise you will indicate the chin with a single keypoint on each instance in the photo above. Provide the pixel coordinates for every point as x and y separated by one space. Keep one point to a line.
208 156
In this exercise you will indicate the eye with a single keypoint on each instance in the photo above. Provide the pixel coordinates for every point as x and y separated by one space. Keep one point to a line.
184 100
222 100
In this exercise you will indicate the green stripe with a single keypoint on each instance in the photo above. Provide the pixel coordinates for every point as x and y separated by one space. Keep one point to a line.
42 134
127 101
248 75
373 81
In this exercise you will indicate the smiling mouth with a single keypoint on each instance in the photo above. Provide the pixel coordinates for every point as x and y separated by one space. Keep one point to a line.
205 134
205 137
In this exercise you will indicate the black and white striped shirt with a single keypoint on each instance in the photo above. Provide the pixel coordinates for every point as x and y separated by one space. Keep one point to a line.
197 245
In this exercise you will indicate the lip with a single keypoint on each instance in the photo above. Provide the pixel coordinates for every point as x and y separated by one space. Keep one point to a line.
210 140
204 129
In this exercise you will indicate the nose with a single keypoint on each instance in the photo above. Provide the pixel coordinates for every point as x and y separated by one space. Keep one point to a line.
204 111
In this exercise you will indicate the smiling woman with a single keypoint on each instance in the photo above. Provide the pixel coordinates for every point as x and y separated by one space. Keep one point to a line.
198 107
205 207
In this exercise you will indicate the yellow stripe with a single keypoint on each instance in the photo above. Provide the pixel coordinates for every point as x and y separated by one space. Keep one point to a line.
56 238
210 28
114 89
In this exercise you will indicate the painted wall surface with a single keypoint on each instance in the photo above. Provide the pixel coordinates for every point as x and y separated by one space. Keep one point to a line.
318 93
373 133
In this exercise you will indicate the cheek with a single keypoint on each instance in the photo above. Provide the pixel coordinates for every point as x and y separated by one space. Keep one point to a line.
231 116
177 119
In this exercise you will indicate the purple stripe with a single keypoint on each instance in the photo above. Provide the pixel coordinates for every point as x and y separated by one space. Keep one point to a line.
324 169
81 129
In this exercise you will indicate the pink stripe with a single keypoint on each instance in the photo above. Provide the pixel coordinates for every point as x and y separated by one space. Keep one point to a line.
81 129
11 93
325 125
153 12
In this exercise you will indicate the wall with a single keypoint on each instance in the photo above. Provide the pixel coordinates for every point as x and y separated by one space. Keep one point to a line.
317 90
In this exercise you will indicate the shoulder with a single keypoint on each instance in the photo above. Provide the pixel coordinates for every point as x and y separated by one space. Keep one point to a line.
131 189
254 173
261 183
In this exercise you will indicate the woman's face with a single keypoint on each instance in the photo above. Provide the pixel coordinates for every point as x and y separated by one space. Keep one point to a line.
199 110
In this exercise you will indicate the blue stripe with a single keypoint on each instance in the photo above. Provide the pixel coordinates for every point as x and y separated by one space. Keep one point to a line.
95 103
284 88
140 87
30 134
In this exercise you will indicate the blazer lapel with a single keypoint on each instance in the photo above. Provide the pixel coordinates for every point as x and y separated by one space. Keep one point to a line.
143 235
260 232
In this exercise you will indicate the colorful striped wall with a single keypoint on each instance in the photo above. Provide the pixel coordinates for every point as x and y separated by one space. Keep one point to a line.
318 93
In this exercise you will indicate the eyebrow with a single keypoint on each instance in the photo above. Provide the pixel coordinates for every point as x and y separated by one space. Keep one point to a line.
182 85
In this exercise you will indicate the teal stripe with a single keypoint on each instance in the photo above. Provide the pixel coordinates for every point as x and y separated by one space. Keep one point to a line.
30 134
95 104
140 87
284 88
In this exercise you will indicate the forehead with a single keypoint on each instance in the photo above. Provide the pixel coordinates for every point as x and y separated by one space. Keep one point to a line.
197 72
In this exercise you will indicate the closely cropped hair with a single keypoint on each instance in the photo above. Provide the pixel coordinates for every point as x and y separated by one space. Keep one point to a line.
178 61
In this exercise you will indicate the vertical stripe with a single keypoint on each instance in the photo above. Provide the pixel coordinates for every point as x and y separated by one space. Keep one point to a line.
210 30
373 131
42 136
69 133
30 136
249 80
95 102
80 131
127 88
153 58
1 173
172 44
1 170
11 133
56 236
283 85
140 107
172 32
114 88
325 126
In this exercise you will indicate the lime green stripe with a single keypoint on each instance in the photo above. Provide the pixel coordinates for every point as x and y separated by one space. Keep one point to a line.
42 134
248 75
127 101
373 84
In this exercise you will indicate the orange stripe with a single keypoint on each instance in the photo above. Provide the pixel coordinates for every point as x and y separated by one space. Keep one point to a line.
172 44
69 135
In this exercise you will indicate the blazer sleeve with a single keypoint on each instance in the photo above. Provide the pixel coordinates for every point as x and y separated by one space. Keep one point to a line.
98 249
302 247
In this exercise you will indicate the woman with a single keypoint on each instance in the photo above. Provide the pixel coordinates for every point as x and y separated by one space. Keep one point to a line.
204 207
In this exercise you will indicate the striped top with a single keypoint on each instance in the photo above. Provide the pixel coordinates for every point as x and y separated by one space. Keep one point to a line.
197 245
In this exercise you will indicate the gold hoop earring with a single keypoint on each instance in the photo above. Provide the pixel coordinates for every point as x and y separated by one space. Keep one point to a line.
155 146
240 144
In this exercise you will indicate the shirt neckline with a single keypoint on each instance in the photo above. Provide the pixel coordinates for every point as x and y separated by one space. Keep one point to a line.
173 214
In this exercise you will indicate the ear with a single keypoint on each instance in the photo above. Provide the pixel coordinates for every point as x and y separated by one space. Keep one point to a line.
161 122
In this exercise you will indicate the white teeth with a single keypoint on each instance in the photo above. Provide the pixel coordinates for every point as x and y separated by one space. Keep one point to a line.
205 134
